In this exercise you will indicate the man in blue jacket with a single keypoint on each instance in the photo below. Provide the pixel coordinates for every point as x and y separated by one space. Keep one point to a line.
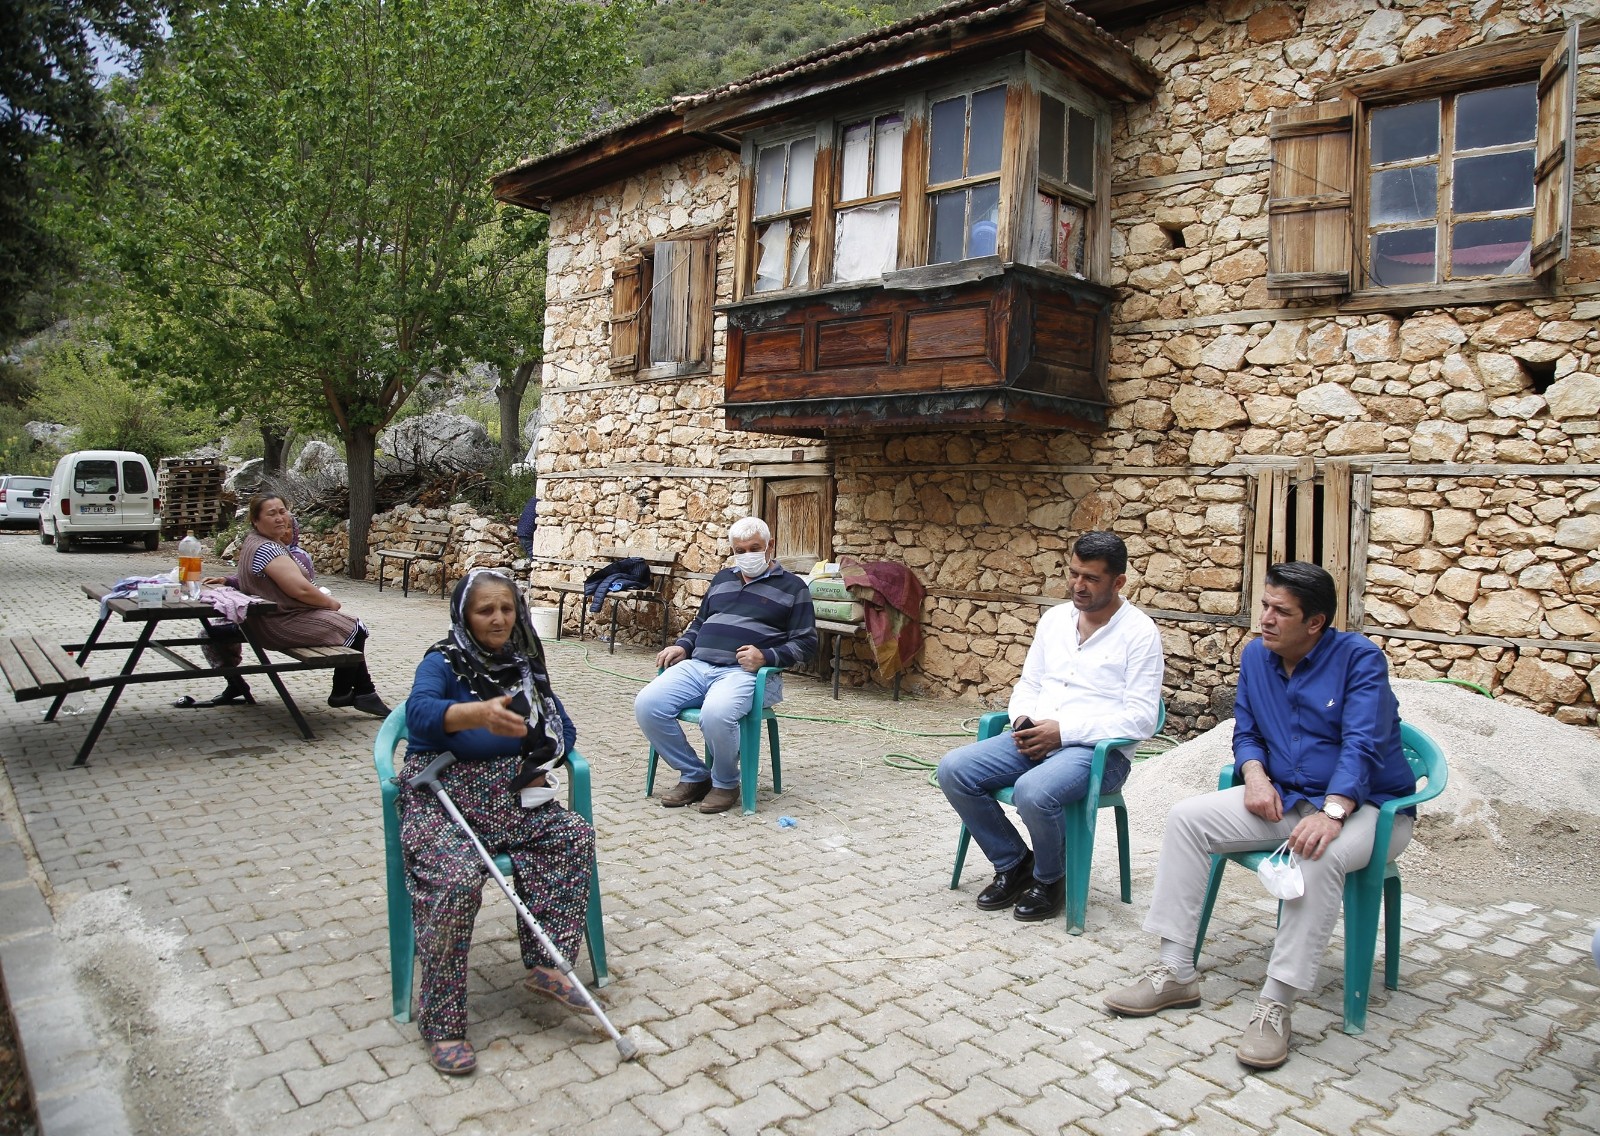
1316 741
755 614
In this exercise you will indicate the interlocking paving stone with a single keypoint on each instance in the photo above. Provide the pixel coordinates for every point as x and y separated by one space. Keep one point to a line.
818 979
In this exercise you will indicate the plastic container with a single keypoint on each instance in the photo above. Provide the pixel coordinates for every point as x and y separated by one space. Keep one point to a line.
189 566
544 621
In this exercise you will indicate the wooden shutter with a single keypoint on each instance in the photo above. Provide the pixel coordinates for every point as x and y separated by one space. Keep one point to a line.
702 294
1308 204
627 297
799 511
1552 173
669 302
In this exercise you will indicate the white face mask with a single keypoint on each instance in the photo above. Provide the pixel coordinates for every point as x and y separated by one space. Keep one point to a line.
750 563
535 795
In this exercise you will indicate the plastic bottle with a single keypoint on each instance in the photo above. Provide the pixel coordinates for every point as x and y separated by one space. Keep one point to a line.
189 553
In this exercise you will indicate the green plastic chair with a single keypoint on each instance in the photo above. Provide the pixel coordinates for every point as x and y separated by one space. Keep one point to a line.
402 931
749 744
1378 882
1080 819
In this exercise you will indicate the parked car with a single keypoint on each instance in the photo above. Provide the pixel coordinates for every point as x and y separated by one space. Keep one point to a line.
22 499
101 495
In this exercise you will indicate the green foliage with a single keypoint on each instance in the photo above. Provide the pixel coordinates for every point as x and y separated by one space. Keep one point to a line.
51 113
686 46
19 453
504 491
75 382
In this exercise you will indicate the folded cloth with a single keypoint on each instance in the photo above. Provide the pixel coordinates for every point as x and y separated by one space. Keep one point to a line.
232 604
128 587
893 599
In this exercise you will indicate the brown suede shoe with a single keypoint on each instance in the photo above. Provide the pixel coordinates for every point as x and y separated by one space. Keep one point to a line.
719 800
685 793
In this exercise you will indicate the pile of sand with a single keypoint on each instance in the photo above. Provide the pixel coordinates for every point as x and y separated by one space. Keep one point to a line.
1519 818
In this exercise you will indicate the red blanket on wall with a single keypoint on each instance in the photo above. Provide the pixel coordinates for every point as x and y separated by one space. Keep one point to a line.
892 597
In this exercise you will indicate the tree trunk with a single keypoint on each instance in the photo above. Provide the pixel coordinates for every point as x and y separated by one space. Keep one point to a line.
509 392
274 448
360 446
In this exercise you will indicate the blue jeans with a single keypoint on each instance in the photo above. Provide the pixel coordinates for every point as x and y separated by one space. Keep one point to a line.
723 695
1041 789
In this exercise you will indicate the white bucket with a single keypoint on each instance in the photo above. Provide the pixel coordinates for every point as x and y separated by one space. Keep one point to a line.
544 621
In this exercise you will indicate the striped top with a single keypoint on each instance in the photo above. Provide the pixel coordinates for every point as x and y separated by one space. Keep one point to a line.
772 612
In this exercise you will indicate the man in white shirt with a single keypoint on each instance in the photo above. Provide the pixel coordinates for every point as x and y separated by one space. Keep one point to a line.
1094 671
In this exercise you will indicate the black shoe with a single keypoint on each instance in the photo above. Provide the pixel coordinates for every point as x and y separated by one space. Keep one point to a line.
347 698
370 703
1007 885
235 693
1041 901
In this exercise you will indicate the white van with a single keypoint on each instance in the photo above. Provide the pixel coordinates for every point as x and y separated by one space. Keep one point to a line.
101 495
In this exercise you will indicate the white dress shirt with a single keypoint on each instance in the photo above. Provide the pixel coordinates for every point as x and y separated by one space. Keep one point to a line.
1107 687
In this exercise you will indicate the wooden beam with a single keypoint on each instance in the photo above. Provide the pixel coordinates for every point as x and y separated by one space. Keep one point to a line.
1336 531
1279 551
1260 544
1360 517
1305 508
1581 647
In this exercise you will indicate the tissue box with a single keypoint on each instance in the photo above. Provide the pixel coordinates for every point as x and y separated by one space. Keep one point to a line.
151 595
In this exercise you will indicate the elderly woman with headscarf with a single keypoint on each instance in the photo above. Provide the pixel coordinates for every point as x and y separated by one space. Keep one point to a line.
274 567
483 694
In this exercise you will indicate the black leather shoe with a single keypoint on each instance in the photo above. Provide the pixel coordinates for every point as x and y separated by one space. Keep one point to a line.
1041 901
1002 892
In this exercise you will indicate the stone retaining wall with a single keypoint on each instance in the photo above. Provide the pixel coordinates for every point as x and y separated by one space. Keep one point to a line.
475 542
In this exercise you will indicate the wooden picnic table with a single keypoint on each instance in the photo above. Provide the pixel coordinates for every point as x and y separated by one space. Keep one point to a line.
36 668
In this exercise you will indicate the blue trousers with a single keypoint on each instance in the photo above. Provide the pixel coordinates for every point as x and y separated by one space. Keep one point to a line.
723 695
1041 789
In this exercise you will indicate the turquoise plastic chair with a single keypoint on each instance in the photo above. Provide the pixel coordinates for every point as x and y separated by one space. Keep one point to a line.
1080 818
402 931
1378 882
749 744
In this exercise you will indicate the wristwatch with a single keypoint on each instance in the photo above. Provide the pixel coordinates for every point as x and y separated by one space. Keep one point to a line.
1335 811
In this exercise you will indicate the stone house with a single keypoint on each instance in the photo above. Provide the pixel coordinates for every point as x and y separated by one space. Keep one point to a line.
1242 280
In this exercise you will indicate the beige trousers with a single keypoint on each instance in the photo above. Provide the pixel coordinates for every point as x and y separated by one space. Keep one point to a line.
1219 823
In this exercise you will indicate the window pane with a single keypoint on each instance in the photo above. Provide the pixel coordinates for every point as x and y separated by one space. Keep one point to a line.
984 229
945 226
1041 235
1491 248
853 164
1494 181
988 129
769 180
773 241
1404 256
1409 131
1408 194
1496 117
865 241
800 254
887 152
802 160
1069 237
949 129
1052 138
133 478
95 476
1080 150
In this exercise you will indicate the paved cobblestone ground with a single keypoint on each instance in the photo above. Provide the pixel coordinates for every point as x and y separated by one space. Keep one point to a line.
218 886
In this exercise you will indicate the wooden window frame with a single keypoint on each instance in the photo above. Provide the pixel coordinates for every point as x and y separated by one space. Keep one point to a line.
808 213
1320 189
1024 77
640 337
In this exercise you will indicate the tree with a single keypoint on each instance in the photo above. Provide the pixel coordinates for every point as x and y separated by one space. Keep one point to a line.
312 233
51 110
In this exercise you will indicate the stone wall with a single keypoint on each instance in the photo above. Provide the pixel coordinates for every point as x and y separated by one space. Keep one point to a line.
1211 380
475 542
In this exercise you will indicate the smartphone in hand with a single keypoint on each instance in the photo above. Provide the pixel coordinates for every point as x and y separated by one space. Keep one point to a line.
1022 723
519 704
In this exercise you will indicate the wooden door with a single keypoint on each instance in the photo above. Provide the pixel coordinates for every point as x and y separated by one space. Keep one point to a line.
799 510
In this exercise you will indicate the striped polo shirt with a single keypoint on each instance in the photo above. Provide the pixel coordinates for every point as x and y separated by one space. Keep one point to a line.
772 612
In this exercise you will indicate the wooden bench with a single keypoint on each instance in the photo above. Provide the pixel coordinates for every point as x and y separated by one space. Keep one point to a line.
428 543
314 657
37 668
661 566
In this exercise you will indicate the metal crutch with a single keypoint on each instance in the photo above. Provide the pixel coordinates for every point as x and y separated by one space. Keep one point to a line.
429 778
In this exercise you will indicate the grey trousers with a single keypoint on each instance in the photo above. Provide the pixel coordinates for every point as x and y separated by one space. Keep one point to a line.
1219 822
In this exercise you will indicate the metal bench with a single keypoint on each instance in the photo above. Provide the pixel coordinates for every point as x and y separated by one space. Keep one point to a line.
429 541
660 593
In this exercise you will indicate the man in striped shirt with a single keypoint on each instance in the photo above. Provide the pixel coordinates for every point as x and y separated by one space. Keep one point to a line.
755 614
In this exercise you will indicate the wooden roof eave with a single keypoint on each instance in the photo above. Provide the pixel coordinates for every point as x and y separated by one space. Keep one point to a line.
1118 75
535 183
